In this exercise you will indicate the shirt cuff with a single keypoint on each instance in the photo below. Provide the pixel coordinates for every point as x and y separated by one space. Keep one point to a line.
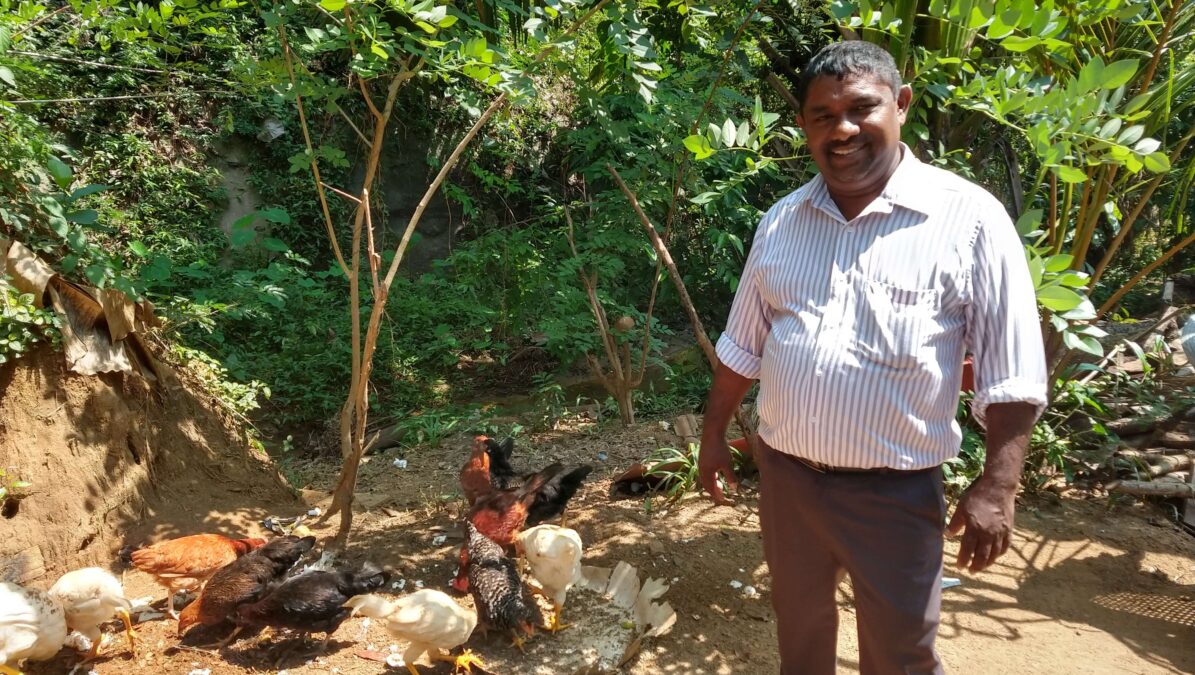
738 359
1009 391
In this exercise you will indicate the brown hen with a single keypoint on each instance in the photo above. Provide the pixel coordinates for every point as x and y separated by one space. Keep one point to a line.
475 474
184 564
245 580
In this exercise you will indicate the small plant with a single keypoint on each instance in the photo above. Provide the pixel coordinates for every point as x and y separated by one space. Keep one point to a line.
678 473
12 491
430 428
23 324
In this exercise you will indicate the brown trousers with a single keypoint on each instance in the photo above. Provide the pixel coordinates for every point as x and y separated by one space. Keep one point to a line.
885 530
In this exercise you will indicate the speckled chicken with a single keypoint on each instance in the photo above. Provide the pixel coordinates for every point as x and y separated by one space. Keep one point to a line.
429 620
500 515
89 597
245 580
312 602
185 563
503 601
32 626
554 555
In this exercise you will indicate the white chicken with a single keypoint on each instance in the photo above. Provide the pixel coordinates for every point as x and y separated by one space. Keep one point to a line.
554 555
32 626
89 597
429 619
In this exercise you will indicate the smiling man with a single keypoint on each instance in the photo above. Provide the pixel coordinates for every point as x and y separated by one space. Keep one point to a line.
862 290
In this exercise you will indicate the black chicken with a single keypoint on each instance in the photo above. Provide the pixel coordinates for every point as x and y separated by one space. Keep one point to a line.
313 602
503 601
552 499
243 581
502 473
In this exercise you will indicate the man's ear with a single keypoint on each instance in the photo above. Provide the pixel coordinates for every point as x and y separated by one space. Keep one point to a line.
904 98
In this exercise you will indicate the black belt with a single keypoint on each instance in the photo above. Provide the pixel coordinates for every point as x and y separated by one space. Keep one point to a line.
826 468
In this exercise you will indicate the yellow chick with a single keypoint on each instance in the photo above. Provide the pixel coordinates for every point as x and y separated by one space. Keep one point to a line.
554 555
32 626
90 597
429 619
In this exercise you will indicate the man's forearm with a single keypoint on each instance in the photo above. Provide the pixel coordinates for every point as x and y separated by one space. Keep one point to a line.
1008 428
726 393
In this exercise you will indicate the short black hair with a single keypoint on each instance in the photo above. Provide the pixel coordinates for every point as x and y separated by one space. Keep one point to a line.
850 57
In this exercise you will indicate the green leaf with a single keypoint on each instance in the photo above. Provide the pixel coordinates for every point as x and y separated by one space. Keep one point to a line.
241 237
275 215
1118 73
1131 135
333 5
1017 43
1069 174
447 21
87 190
744 132
1110 128
1060 262
1084 343
95 274
272 244
1147 146
84 217
699 146
1073 279
1036 268
1029 221
1058 298
1157 162
6 77
728 132
427 27
60 171
1137 103
139 249
377 50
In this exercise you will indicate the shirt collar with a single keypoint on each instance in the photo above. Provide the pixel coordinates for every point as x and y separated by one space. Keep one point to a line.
905 188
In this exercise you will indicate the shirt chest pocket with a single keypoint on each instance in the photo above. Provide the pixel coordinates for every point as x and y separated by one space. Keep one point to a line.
895 323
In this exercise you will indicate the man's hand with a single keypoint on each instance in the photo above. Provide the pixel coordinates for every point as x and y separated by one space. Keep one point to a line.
713 460
984 515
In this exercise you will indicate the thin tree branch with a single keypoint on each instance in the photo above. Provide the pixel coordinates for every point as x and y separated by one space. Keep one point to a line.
319 183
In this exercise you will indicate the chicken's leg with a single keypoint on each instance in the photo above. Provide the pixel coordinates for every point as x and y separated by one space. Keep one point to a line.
225 642
8 670
462 663
170 610
564 516
412 669
128 630
556 626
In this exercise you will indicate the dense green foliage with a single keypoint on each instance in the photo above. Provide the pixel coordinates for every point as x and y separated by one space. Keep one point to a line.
121 122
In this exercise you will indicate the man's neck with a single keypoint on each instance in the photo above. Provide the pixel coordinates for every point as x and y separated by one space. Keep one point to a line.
850 206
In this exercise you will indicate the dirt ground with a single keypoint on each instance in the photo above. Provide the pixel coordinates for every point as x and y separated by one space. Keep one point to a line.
1087 588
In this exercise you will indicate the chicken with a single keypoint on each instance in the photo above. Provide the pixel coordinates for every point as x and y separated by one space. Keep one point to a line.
475 474
552 499
502 599
89 597
312 602
32 626
500 515
554 555
428 619
243 581
185 563
502 474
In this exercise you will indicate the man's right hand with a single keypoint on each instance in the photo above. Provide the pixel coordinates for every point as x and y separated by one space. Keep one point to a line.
713 460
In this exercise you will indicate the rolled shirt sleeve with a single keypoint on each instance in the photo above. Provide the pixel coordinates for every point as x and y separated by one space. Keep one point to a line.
741 346
1003 326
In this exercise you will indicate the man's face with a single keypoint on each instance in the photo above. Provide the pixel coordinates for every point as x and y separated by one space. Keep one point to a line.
853 129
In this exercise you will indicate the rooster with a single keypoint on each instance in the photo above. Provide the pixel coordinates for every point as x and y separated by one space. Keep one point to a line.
428 619
185 563
32 626
243 581
475 474
500 515
89 597
554 555
503 601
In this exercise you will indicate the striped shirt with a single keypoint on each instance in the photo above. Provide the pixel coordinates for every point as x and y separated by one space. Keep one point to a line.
856 330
